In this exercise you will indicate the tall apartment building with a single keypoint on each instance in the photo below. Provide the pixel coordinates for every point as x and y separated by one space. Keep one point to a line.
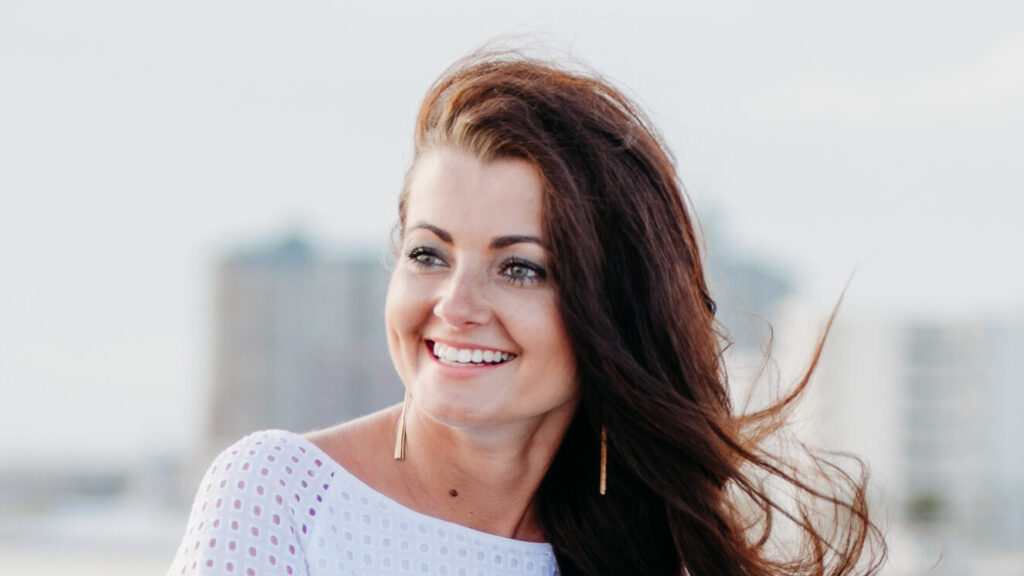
299 341
945 421
935 408
1003 435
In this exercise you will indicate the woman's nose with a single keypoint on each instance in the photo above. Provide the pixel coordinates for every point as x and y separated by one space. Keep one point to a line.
462 301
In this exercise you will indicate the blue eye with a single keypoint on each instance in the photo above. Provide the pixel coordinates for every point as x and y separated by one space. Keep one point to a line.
522 272
423 257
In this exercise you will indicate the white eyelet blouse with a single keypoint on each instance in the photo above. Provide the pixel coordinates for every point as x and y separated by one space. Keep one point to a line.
275 504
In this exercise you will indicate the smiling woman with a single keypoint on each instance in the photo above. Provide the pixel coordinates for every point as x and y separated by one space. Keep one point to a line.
566 409
471 280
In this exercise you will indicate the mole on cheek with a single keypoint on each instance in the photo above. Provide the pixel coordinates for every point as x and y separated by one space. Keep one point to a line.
453 493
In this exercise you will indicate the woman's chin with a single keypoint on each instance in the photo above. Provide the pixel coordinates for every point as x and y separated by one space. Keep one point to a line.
456 415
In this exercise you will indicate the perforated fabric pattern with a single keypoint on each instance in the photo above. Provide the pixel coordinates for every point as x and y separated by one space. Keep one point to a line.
275 504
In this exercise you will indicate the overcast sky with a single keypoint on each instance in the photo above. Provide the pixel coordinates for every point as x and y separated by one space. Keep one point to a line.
139 140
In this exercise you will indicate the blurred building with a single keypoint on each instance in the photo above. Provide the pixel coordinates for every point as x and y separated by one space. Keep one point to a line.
749 295
748 290
935 408
943 405
1003 433
299 340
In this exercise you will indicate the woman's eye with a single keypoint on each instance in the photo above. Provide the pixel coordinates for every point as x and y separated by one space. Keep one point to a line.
423 257
522 272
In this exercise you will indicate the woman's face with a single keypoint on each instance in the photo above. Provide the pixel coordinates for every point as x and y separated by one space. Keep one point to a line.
472 317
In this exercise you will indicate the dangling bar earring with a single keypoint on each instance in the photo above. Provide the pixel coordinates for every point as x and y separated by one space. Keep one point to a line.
400 437
604 461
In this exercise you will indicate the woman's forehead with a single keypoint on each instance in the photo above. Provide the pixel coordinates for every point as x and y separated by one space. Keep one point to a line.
454 189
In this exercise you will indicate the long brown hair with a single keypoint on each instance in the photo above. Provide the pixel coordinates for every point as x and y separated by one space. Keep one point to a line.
690 481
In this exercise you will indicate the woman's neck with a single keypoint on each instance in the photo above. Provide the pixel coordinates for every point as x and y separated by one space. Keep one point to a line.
483 476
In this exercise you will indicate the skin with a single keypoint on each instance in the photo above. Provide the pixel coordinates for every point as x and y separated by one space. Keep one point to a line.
471 273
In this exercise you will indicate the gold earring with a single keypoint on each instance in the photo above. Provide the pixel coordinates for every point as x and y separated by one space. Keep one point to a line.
604 461
400 437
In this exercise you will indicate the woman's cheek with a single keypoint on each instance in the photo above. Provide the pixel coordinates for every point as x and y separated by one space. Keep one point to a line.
406 310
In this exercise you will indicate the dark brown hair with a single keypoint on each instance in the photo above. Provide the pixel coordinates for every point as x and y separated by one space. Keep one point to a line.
690 481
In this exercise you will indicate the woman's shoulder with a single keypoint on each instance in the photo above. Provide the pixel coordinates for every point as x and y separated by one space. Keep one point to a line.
266 470
277 457
281 454
262 442
362 447
276 501
256 507
282 468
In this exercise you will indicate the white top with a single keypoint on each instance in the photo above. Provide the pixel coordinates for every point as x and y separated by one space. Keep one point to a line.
274 503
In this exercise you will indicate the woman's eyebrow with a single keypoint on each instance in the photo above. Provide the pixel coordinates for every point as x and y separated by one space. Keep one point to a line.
506 241
442 234
497 243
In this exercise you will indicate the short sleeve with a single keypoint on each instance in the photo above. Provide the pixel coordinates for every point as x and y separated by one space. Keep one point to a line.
242 521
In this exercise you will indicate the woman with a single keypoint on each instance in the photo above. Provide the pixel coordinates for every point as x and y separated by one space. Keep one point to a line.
566 406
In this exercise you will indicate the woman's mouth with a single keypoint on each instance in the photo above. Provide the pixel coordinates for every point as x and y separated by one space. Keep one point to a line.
468 356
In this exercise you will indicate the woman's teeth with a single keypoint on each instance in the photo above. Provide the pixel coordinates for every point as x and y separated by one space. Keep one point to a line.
466 356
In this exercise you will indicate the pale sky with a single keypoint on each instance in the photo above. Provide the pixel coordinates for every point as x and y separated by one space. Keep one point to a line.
138 140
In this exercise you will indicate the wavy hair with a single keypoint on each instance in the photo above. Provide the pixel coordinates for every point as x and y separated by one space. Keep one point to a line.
692 484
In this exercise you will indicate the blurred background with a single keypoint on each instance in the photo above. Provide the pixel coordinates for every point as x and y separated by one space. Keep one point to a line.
196 200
